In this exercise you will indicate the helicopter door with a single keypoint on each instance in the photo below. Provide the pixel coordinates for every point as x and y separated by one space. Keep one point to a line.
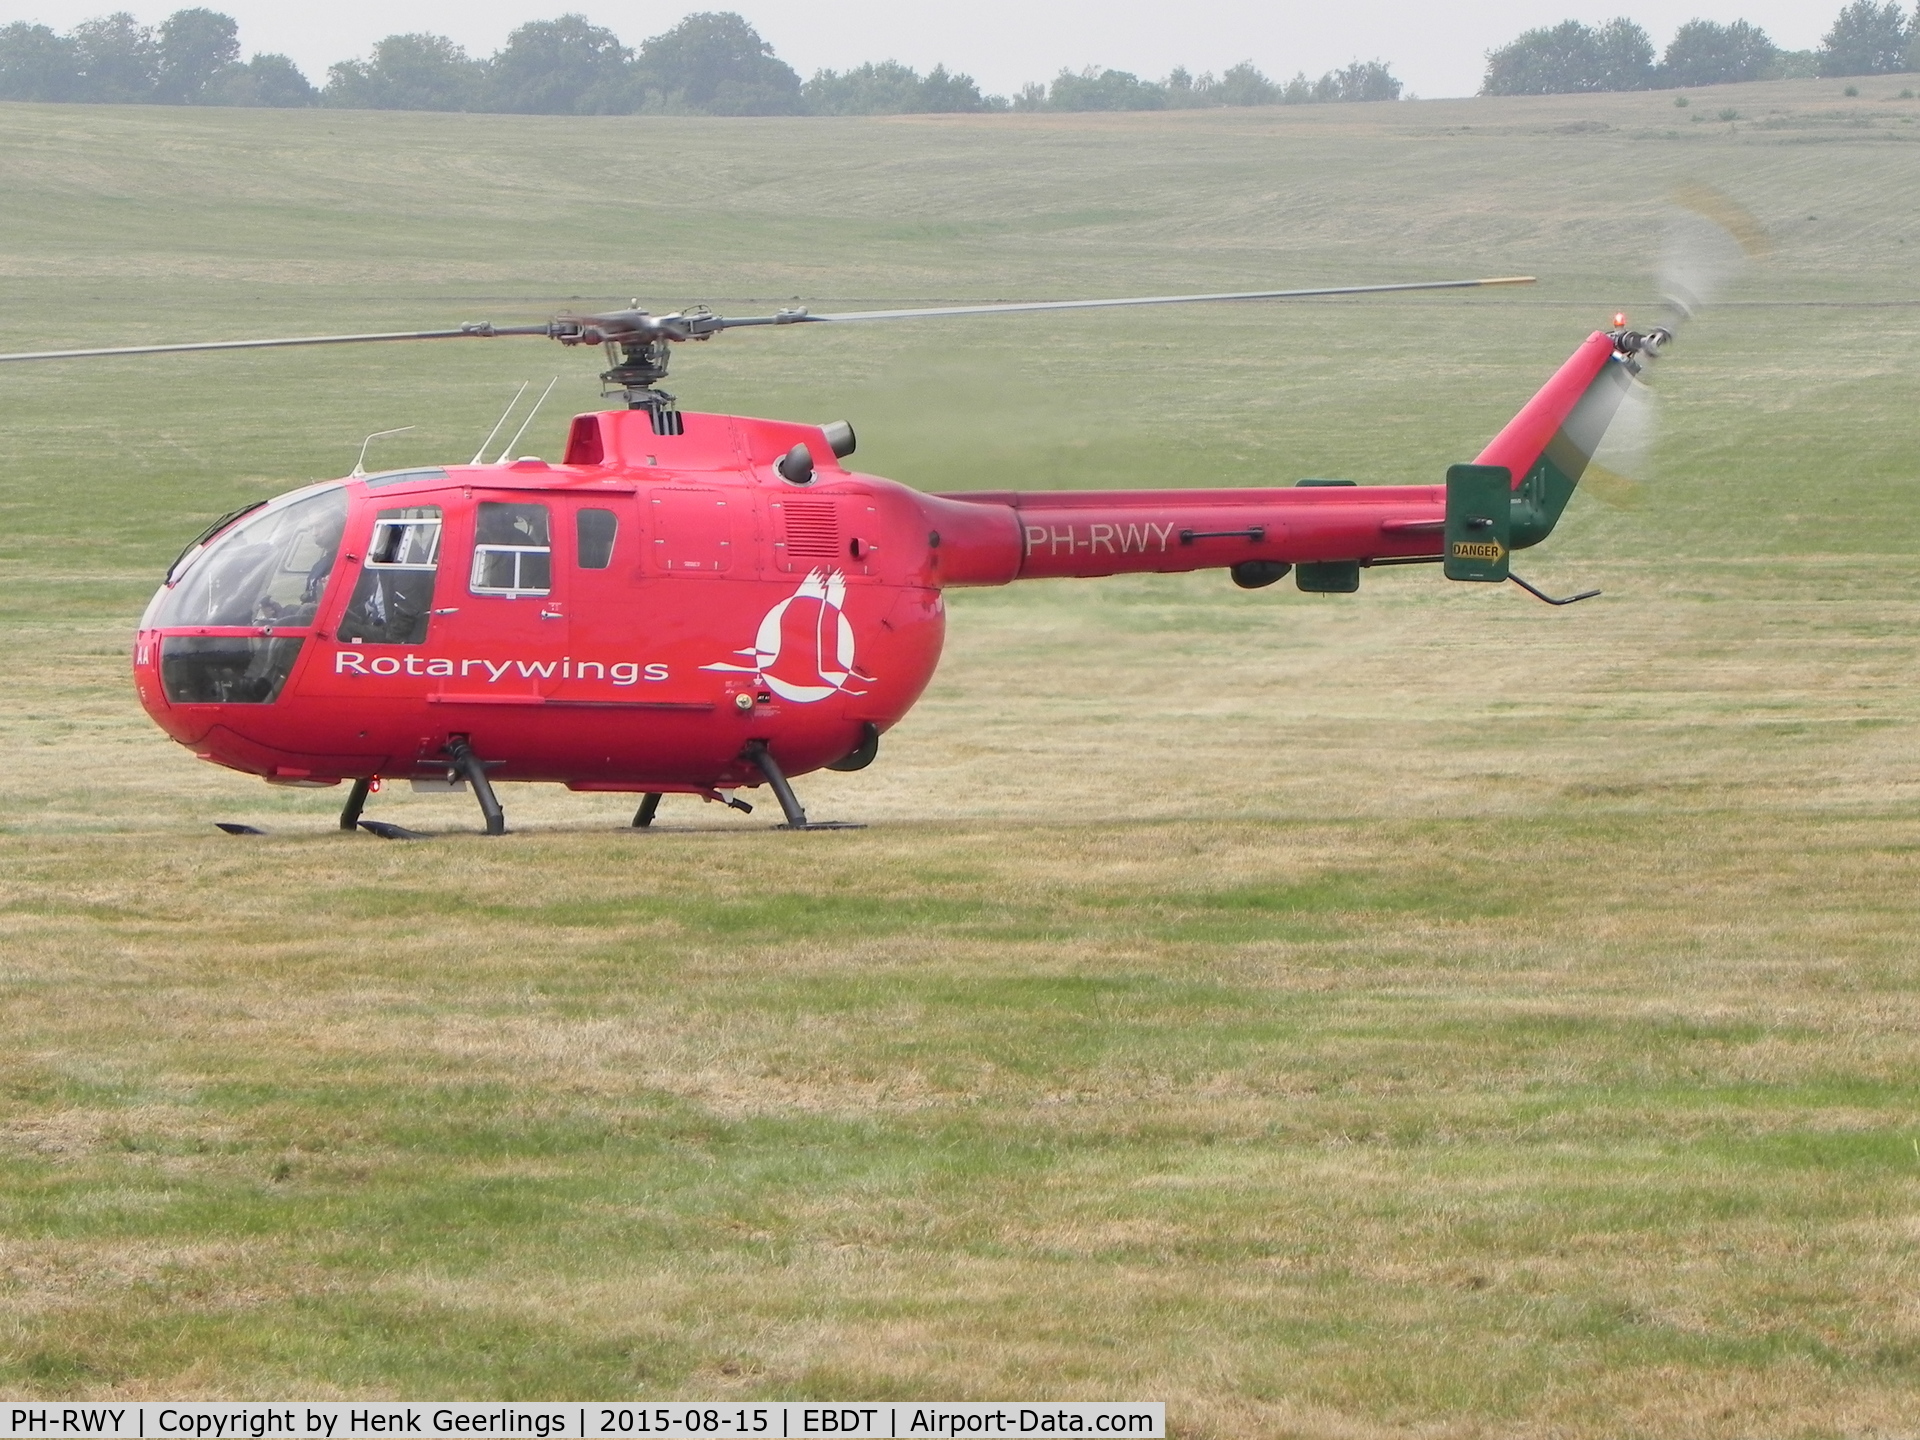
509 630
392 601
613 634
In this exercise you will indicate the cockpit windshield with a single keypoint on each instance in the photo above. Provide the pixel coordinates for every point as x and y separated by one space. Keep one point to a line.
269 570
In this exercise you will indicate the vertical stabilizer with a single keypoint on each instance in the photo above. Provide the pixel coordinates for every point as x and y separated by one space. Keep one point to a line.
1548 445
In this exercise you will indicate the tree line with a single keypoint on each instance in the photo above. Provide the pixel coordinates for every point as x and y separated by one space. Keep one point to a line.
712 63
1570 58
1241 85
192 59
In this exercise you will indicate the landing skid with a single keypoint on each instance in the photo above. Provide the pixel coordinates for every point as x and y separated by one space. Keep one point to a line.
474 771
386 830
790 806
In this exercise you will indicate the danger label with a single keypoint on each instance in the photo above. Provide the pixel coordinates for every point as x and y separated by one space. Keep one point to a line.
1478 550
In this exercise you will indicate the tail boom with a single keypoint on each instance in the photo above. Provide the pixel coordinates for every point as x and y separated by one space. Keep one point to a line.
1088 533
1001 536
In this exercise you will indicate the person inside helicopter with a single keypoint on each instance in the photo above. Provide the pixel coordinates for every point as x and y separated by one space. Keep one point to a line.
393 600
268 570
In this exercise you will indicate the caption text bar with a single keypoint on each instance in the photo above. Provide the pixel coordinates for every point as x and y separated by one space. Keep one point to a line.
577 1420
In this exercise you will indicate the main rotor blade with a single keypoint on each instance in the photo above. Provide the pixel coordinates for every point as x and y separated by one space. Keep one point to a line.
480 331
679 327
801 317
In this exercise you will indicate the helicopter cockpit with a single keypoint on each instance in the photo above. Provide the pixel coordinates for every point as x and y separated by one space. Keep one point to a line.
242 590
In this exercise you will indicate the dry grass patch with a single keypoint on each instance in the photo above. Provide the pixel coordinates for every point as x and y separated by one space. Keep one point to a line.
1241 1102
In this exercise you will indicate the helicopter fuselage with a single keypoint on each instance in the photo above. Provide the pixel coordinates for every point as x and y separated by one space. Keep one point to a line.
645 614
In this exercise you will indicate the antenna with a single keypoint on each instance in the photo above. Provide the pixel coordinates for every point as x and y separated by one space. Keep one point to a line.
360 465
528 421
480 455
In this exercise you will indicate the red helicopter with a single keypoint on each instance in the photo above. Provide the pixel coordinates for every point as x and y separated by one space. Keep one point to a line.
695 604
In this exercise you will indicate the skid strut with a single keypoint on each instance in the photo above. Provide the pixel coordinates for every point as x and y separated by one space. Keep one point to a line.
649 807
469 765
758 753
356 802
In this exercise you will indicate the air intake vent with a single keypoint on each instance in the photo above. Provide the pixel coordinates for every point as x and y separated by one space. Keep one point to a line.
813 530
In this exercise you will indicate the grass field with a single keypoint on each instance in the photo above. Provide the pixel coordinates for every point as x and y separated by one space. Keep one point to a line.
1415 1012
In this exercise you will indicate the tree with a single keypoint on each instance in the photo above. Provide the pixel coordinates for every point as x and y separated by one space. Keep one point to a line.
118 60
195 47
1571 58
891 88
193 60
946 93
36 64
407 72
265 80
716 63
1298 90
562 67
1703 53
1186 93
1624 56
1542 62
1243 85
1369 81
1866 39
1094 89
888 88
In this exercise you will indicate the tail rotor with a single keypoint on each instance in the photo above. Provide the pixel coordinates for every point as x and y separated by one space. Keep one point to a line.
1708 237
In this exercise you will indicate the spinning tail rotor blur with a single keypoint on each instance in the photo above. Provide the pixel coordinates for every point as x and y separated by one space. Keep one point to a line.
1707 238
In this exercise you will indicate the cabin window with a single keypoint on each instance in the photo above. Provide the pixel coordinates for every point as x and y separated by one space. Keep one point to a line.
597 529
512 550
401 477
269 570
394 597
406 539
226 669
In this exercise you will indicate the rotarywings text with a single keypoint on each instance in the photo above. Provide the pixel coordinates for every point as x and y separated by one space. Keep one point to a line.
620 672
803 651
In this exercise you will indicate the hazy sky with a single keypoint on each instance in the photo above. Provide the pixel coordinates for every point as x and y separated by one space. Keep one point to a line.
1437 49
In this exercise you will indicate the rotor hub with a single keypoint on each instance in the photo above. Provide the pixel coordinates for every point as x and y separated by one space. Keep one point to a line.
634 370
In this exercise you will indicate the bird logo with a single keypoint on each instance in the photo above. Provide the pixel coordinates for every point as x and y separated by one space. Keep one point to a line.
803 651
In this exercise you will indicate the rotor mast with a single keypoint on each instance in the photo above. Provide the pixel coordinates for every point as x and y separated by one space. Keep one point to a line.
639 348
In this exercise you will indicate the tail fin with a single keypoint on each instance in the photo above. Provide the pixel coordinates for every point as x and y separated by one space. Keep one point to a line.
1547 446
